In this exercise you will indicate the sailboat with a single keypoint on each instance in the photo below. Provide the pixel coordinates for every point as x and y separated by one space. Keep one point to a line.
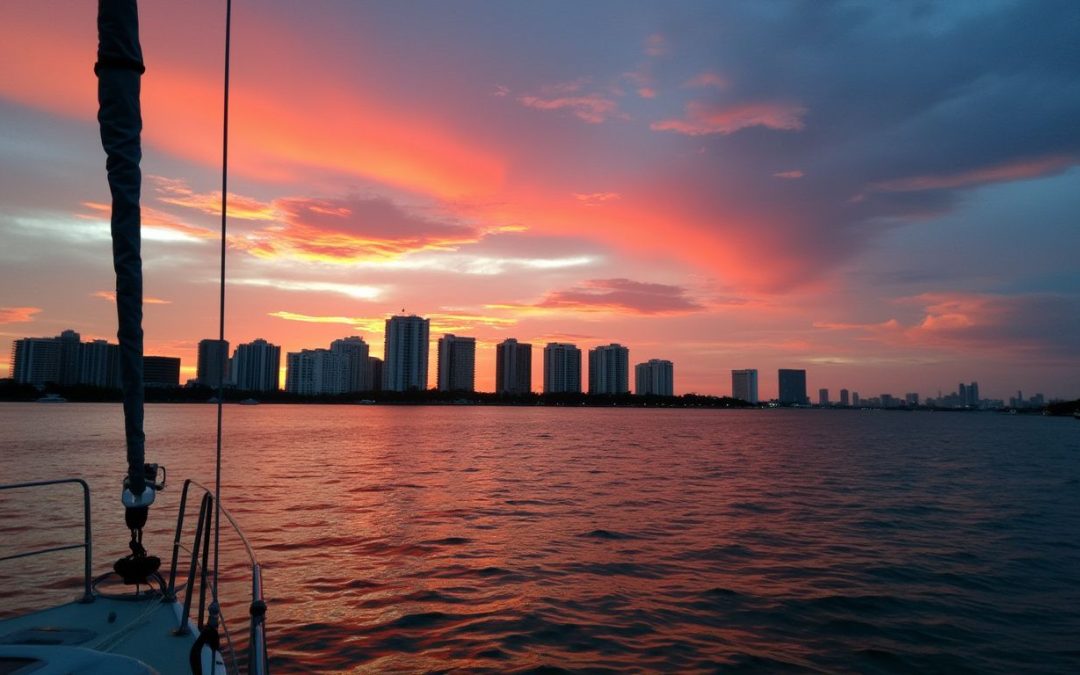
138 618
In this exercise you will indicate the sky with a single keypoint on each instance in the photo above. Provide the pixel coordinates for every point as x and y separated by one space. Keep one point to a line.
884 194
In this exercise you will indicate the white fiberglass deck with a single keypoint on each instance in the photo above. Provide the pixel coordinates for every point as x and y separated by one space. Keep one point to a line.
106 636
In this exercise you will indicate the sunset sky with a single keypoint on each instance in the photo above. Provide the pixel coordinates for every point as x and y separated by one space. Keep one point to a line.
885 194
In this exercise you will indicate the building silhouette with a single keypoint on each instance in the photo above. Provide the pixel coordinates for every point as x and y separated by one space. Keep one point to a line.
257 366
792 389
845 399
99 364
562 368
609 369
212 369
35 360
457 363
405 366
513 367
655 377
375 373
354 352
68 364
161 371
823 397
744 385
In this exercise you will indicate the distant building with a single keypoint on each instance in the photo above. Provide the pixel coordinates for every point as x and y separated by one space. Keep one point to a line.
68 365
562 368
354 352
792 388
855 399
315 372
375 372
844 399
513 367
889 401
406 364
212 369
911 400
457 363
35 360
655 377
609 369
258 366
99 364
744 385
823 397
161 371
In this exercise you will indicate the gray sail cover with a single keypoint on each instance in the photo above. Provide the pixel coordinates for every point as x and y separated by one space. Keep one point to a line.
119 69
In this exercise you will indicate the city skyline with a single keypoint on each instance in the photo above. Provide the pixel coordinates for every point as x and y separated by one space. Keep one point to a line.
347 366
745 187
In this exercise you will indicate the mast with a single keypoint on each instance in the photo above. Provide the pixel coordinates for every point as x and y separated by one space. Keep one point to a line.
119 68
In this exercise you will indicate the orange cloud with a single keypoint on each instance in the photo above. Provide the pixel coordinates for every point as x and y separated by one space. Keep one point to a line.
177 193
440 322
157 220
350 231
1000 173
147 300
18 314
702 119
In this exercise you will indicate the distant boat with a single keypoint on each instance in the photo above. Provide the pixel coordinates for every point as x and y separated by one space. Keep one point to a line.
52 398
249 401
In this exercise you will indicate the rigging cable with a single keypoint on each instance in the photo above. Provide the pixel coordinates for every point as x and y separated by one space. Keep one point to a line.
221 300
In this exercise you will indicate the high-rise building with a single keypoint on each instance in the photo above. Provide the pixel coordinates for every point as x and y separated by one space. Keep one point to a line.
792 390
68 366
99 364
973 395
513 367
457 363
212 368
161 371
375 372
911 399
406 364
314 372
655 377
355 353
35 360
258 366
844 399
823 397
609 369
855 399
562 368
744 385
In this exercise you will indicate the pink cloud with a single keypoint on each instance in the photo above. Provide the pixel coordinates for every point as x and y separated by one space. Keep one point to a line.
1010 171
703 119
656 45
177 193
18 314
707 80
351 230
590 107
619 296
595 198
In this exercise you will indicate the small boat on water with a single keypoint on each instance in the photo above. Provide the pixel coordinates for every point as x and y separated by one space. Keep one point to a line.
52 398
139 617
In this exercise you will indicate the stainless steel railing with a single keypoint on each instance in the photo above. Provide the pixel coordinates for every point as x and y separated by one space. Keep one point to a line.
257 656
87 545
